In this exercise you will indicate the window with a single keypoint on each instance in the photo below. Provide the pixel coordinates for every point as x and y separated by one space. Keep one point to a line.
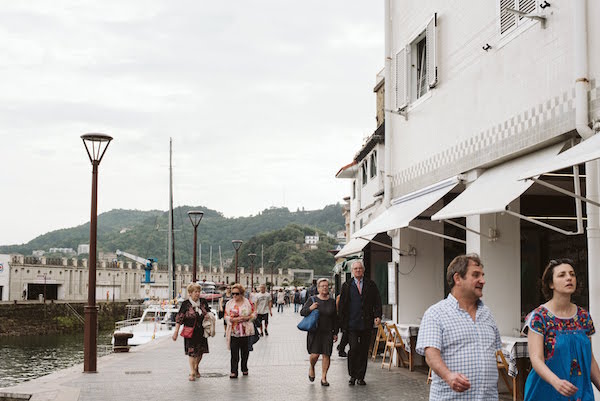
510 21
373 170
353 189
364 173
415 67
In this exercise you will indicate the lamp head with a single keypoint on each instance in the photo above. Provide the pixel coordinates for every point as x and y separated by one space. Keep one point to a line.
237 243
96 145
195 217
252 256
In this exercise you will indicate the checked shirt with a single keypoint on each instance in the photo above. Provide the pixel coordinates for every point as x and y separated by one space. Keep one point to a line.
467 347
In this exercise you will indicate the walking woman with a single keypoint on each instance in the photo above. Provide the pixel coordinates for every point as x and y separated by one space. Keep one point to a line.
320 342
280 300
558 333
222 302
239 314
191 314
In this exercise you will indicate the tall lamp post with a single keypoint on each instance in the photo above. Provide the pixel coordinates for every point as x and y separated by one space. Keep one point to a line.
272 262
195 217
237 243
95 145
251 256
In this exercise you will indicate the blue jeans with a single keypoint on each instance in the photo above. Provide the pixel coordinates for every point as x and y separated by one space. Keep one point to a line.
280 308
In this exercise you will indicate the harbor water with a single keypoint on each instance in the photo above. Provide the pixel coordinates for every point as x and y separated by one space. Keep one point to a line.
28 357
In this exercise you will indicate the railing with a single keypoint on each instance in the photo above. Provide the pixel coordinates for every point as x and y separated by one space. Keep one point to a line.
125 323
79 263
32 260
74 312
54 261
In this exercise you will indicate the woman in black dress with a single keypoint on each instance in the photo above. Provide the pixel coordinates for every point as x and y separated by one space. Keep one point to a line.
320 341
191 314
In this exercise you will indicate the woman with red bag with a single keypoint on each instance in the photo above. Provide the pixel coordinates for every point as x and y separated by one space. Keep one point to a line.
190 315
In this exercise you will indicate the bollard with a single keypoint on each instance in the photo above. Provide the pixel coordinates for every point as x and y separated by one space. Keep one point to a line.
120 344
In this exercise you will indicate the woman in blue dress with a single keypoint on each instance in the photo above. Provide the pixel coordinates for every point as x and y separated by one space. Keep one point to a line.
558 334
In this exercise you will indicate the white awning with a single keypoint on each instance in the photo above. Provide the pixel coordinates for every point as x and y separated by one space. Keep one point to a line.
407 208
354 246
496 187
581 153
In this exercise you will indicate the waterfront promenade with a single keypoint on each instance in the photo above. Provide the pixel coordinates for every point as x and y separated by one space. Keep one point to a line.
278 369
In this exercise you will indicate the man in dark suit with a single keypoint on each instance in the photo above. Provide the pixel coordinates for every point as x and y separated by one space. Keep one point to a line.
359 310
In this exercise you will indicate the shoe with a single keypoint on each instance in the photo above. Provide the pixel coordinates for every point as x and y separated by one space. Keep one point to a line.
245 373
192 378
266 332
352 381
233 376
261 334
343 354
311 378
361 382
324 383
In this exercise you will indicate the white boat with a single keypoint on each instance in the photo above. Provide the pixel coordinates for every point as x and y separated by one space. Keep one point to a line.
156 321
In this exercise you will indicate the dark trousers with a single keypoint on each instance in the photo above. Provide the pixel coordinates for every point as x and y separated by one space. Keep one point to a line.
343 342
239 346
359 352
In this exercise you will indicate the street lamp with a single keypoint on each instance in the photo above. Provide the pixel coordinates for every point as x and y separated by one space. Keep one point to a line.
95 145
195 217
272 262
251 256
237 243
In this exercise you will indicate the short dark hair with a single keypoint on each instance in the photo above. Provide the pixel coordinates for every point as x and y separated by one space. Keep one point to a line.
460 265
549 275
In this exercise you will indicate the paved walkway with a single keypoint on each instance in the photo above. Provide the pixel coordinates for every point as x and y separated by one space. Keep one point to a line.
278 368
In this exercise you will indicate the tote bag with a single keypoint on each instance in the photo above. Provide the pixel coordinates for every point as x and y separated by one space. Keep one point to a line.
310 322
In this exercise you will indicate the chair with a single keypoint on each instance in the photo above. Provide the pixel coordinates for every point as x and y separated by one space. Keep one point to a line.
503 372
380 337
394 344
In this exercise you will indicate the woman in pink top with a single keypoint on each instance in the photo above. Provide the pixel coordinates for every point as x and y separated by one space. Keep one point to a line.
239 315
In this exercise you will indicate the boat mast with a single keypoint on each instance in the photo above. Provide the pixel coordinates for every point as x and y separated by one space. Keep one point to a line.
171 236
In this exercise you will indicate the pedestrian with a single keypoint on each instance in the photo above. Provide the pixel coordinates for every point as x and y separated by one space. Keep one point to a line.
222 302
558 335
312 289
297 301
191 314
239 314
280 300
344 341
360 309
320 342
459 338
263 309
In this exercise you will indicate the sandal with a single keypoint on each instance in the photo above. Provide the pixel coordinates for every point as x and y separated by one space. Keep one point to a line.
197 374
192 377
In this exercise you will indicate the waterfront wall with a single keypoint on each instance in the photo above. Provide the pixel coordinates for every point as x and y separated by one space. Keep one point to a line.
54 318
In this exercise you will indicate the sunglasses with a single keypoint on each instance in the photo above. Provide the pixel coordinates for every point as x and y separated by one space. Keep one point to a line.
235 293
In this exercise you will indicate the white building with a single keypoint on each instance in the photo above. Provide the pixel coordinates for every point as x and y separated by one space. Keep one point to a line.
83 248
311 239
481 98
4 277
62 250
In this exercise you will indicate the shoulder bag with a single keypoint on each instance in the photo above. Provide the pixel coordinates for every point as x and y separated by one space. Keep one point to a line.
310 322
188 332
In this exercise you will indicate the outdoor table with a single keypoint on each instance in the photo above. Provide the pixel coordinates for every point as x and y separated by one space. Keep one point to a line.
517 354
409 333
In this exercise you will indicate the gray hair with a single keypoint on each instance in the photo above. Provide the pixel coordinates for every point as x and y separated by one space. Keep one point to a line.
357 261
319 281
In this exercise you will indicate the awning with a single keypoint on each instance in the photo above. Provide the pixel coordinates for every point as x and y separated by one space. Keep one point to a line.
496 187
407 208
354 246
581 153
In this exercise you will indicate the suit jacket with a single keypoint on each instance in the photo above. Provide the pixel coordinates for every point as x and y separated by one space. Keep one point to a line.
371 303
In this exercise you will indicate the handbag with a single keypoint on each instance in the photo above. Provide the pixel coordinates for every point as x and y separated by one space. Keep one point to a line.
310 322
188 332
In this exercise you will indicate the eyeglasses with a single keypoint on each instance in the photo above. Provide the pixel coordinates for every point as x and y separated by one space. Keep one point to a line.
235 293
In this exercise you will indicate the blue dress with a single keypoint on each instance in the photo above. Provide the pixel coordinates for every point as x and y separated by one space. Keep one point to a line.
567 352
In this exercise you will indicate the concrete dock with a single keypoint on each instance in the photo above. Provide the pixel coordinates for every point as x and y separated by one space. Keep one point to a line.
278 369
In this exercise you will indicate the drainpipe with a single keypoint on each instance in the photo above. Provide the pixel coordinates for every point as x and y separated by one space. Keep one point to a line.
387 174
591 168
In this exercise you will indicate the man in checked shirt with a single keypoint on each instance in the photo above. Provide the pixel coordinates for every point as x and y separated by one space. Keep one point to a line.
459 337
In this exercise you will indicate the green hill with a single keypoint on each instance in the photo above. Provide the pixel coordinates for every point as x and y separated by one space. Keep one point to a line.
144 233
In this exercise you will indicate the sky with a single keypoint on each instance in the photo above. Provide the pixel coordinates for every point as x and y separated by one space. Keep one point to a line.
265 101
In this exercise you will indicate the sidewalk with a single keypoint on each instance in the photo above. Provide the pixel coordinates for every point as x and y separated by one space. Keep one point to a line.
278 367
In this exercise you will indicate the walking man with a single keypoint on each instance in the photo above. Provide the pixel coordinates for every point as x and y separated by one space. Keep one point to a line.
359 310
459 338
263 309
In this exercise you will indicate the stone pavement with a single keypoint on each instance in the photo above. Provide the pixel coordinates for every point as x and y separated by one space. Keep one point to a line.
278 369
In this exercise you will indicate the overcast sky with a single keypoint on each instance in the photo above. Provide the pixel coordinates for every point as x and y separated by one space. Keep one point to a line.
265 100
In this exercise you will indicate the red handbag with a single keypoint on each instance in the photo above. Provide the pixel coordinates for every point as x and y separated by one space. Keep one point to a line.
188 332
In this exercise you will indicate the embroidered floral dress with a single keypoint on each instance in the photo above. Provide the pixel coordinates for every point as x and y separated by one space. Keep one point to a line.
567 352
187 316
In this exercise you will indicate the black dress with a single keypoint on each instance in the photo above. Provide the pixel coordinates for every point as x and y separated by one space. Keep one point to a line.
321 340
198 344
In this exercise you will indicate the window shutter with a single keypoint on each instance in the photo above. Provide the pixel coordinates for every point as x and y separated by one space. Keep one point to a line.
401 80
507 20
431 51
527 6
